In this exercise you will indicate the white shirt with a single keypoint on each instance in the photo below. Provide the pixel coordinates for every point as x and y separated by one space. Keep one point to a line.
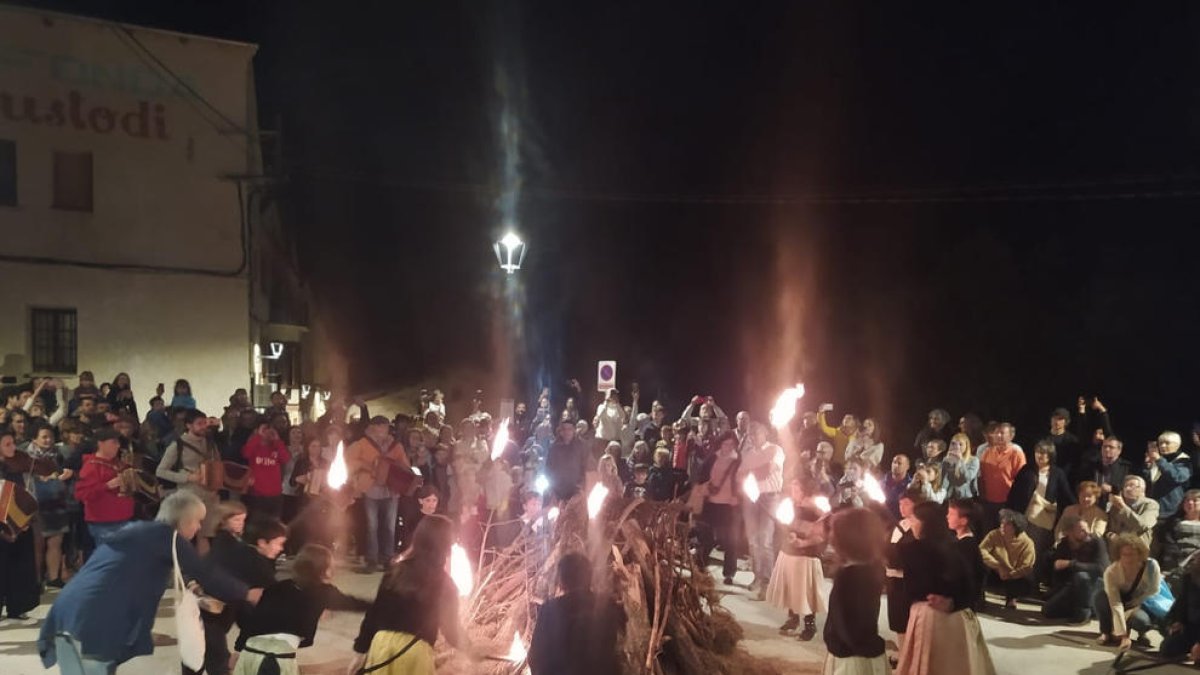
610 418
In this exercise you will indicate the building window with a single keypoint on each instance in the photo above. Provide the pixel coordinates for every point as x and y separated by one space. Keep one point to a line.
8 173
54 340
73 181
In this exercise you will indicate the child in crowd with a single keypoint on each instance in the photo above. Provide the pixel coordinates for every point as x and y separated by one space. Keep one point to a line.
637 488
287 616
664 483
796 580
852 627
609 469
249 555
899 601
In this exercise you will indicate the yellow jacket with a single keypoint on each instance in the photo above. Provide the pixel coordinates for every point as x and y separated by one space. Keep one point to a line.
836 437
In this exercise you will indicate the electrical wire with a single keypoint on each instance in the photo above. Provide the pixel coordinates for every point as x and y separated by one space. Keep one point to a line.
129 38
1024 192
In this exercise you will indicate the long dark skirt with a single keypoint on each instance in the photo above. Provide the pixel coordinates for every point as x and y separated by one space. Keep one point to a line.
19 588
898 605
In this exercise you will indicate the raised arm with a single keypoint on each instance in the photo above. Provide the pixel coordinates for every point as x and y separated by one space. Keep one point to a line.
825 428
33 398
687 412
61 411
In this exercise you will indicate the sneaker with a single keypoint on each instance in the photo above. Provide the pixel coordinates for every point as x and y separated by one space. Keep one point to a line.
809 632
1142 642
728 581
56 583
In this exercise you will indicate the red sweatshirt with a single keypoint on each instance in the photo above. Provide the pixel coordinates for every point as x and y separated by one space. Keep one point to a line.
266 460
101 504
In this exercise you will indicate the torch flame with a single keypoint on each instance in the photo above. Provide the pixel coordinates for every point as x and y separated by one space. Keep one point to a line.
500 442
779 458
822 502
541 484
516 653
460 570
750 487
596 499
416 471
873 489
785 406
785 513
552 515
338 474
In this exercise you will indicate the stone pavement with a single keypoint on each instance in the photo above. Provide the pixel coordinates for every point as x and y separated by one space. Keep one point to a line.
1019 646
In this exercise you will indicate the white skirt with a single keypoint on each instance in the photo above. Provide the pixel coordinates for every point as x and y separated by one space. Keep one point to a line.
248 662
796 584
958 648
856 665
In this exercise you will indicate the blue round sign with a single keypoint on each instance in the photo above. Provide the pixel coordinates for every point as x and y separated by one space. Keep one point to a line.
606 372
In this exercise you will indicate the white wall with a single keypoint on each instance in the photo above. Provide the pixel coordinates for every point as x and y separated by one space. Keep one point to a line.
160 198
155 327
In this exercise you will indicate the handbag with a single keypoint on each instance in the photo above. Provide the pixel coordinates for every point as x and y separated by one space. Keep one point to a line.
1041 512
189 631
697 497
1160 603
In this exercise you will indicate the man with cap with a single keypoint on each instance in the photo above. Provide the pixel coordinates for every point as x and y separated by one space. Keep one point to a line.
105 506
1067 447
368 460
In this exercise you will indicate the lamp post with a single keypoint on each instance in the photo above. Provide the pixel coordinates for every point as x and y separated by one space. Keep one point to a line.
510 252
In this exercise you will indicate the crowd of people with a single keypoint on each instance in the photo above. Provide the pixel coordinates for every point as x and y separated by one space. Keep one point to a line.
1079 522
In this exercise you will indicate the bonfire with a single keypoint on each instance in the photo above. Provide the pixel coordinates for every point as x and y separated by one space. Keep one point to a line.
675 622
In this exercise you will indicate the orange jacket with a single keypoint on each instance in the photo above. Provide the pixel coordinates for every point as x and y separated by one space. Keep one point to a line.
362 461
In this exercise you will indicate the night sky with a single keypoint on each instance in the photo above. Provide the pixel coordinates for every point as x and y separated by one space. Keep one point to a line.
907 206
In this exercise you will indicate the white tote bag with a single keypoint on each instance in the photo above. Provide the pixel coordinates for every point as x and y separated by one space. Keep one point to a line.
189 631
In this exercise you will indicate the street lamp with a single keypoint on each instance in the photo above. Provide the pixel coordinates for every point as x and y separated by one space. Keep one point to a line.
510 252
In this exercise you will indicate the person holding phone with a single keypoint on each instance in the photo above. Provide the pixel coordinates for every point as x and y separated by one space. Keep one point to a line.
840 436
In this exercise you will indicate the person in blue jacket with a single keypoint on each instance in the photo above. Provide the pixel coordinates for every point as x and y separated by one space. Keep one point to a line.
104 616
1167 472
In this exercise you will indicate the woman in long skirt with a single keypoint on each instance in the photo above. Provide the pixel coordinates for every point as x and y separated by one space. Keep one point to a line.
19 588
852 627
797 577
943 634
